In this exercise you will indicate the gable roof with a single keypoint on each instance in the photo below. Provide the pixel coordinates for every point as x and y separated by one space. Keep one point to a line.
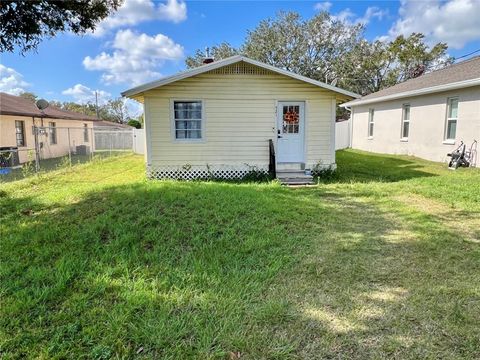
228 61
456 76
16 105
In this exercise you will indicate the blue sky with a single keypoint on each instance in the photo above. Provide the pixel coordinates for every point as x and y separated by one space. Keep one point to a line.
148 39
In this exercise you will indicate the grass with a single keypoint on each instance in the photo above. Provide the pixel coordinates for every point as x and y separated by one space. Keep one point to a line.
52 164
382 261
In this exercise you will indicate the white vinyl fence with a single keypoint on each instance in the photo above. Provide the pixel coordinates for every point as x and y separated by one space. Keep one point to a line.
342 134
107 139
139 141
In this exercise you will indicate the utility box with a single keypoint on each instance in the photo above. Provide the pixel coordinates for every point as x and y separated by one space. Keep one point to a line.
9 157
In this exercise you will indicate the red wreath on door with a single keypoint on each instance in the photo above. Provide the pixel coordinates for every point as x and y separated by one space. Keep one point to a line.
290 117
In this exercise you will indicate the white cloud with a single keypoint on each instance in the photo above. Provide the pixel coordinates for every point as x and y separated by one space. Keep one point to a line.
323 6
133 12
12 81
372 12
83 94
134 108
453 21
345 15
135 59
173 10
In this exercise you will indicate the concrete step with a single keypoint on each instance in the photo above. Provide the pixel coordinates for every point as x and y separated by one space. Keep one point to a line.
290 166
296 182
293 174
294 178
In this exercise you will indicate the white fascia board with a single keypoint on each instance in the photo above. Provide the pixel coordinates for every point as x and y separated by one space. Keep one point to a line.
418 92
228 61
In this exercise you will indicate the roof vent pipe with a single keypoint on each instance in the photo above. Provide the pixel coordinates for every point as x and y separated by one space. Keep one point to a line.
208 59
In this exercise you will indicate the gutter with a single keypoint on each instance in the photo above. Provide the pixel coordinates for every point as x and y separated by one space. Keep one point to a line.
429 90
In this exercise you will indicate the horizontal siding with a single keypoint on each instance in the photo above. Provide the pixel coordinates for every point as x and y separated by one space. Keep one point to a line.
239 119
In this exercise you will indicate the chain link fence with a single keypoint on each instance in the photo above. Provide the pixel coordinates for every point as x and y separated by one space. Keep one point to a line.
52 147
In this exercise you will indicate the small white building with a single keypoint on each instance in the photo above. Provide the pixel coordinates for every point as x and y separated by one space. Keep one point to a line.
426 117
222 118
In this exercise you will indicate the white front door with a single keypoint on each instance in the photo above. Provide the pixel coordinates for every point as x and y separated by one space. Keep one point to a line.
291 132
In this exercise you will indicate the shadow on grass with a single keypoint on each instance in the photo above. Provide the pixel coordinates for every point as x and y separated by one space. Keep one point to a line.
360 166
196 270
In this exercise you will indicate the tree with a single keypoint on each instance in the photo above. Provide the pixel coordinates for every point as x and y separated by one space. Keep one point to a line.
307 47
222 51
134 123
26 23
334 51
415 58
117 111
86 109
29 96
370 67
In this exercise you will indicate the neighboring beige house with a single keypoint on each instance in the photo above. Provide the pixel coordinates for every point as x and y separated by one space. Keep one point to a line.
61 130
220 117
426 117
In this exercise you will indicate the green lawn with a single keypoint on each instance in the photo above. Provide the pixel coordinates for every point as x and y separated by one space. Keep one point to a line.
383 261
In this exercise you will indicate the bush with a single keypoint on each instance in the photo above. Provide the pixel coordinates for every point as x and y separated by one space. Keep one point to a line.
134 123
256 175
322 173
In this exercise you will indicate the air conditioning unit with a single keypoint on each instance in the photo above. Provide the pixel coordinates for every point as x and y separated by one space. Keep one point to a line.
9 157
82 150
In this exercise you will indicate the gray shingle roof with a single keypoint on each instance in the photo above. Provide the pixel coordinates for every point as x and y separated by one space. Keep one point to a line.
462 71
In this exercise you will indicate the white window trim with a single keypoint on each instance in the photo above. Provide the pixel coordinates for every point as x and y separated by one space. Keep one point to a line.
371 120
202 122
403 138
446 139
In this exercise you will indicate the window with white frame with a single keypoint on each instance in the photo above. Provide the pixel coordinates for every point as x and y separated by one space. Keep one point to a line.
452 117
371 123
405 121
188 118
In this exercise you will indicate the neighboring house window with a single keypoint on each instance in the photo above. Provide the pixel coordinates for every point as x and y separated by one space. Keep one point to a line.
20 132
371 123
452 117
85 132
188 119
53 132
405 121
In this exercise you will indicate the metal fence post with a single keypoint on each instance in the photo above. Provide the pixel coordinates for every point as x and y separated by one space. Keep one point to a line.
69 147
37 149
92 142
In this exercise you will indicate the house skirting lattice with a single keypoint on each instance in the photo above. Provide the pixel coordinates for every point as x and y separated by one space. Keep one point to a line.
196 172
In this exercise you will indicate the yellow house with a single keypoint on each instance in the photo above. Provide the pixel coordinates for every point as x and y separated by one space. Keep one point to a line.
231 116
59 130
